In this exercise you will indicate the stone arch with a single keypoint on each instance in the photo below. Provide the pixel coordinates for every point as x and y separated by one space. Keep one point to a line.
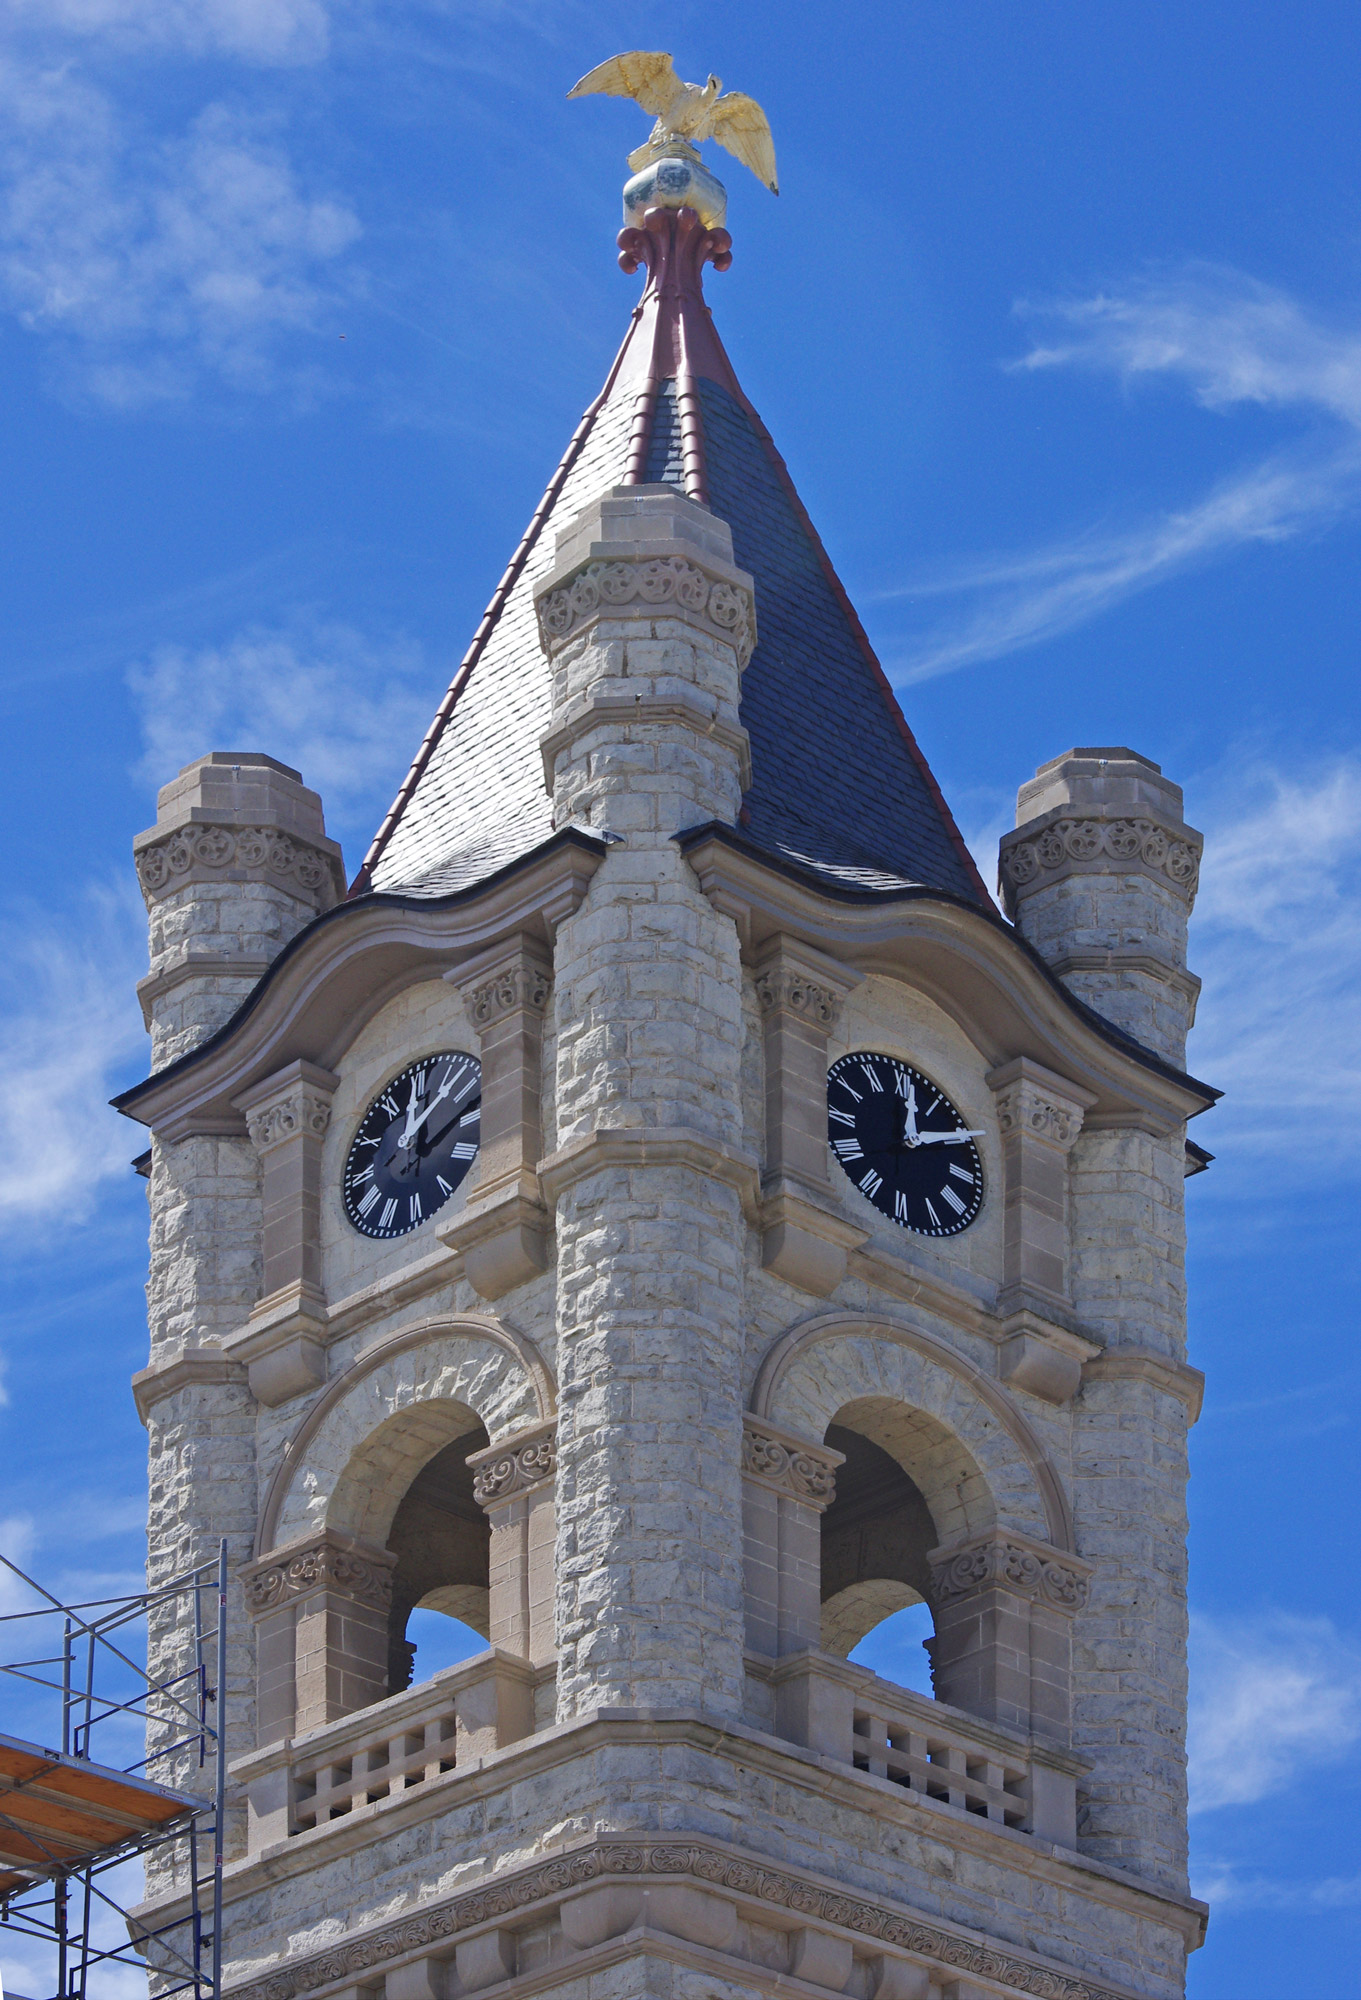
400 1402
947 1424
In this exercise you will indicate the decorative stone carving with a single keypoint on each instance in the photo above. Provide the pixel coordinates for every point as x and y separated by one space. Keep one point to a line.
783 985
1133 842
517 1467
661 580
168 865
1054 1580
518 984
302 1110
775 1888
1024 1106
318 1568
788 1464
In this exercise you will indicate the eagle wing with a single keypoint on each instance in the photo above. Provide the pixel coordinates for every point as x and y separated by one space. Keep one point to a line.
646 76
738 122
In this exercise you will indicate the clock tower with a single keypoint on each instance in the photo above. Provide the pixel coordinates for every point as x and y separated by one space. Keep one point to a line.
665 1216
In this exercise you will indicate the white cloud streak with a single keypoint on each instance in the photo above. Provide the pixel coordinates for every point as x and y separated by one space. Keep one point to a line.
69 1020
1271 1697
257 31
157 263
1231 342
1276 938
343 709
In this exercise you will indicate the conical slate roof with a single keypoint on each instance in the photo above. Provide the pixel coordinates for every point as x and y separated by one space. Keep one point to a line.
839 787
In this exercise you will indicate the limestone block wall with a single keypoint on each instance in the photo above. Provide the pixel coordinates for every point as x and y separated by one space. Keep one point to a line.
648 1175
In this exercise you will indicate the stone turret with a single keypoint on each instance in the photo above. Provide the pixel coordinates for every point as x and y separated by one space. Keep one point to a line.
236 864
1100 876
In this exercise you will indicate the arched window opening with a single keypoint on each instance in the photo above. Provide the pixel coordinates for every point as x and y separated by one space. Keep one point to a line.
875 1576
440 1587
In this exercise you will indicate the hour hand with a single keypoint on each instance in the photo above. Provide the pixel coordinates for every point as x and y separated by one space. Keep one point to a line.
947 1138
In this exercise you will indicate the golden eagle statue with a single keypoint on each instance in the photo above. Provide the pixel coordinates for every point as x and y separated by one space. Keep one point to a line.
685 111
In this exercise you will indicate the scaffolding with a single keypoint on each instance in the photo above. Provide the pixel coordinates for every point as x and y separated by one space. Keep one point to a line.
68 1821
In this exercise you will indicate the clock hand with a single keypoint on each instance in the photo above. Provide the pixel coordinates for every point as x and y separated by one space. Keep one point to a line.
911 1136
413 1128
947 1138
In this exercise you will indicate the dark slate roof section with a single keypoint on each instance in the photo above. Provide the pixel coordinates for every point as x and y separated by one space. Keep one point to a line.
481 800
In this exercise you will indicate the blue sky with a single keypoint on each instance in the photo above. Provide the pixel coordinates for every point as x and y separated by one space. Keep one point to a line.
1058 323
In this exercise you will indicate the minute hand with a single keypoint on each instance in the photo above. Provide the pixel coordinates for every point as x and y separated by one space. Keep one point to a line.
947 1138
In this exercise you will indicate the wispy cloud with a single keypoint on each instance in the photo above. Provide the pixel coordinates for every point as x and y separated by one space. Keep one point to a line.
1276 937
260 31
69 1021
1270 1697
155 263
1231 342
344 709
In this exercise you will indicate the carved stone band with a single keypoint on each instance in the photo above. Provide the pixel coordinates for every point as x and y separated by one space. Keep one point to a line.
1054 1579
900 1929
1141 844
203 853
803 1470
1024 1107
301 1110
785 986
520 984
599 587
324 1566
517 1466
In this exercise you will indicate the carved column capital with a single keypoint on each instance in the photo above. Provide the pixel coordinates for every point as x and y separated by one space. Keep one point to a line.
791 1465
495 986
517 1465
296 1100
793 980
1016 1563
1034 1103
325 1562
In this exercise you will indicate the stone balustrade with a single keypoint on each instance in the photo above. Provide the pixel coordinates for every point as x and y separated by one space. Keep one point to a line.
391 1747
935 1752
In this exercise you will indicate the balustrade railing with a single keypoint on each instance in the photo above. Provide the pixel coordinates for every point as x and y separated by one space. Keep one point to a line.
390 1748
932 1751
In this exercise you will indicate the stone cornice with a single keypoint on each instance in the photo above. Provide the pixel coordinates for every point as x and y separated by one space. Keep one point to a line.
748 1878
645 584
683 705
197 853
517 1465
1064 842
324 1562
186 1368
154 986
1002 1556
652 1146
789 1464
1141 1364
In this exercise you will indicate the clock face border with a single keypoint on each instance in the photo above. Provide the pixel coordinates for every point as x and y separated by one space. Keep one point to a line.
389 1189
931 1190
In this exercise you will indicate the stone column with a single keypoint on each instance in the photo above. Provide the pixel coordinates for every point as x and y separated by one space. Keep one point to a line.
514 1482
800 994
283 1343
502 1232
787 1486
647 626
1100 876
1039 1116
321 1611
1004 1607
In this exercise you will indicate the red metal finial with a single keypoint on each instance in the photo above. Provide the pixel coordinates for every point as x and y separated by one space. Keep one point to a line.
675 246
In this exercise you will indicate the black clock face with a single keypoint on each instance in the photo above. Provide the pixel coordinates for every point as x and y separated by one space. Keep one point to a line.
903 1143
418 1139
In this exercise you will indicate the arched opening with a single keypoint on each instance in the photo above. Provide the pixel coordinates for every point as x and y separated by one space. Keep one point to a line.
440 1587
875 1576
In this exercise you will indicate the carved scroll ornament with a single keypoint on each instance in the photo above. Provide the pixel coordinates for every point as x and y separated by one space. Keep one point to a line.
299 1110
801 1471
513 987
785 986
1024 1106
660 581
517 1468
1049 1579
319 1568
